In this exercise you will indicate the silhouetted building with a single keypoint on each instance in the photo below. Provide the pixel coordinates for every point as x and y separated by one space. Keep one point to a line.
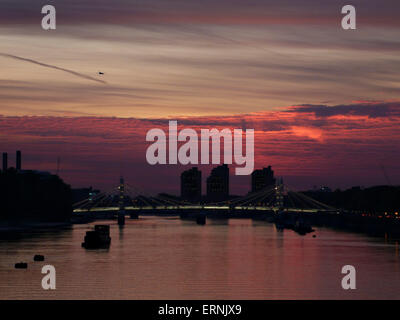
191 184
18 161
218 184
5 161
33 196
261 179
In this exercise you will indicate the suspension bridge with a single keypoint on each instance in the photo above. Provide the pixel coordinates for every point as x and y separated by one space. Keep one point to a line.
125 200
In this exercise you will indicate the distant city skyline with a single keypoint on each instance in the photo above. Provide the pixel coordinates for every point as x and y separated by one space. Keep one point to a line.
217 183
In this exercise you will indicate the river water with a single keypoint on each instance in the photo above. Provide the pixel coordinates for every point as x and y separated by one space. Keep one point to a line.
167 258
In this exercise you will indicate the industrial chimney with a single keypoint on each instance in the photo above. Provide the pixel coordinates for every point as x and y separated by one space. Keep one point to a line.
18 160
5 162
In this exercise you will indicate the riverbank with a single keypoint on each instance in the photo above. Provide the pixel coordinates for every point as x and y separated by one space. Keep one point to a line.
18 226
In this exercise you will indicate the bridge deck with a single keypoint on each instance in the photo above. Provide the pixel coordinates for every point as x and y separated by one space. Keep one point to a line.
195 207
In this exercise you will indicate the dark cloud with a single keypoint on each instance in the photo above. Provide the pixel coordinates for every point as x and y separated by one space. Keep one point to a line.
372 110
205 11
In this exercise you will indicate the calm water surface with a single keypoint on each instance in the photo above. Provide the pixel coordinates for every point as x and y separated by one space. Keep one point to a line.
166 258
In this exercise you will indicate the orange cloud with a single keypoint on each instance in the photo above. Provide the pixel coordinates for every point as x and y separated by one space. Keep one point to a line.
312 133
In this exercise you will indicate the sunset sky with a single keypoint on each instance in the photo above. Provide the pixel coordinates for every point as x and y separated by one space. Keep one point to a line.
324 102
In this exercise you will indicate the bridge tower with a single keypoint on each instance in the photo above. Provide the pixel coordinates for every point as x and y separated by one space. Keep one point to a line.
121 202
279 194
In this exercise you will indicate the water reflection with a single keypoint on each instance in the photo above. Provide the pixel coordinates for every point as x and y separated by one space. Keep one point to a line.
169 258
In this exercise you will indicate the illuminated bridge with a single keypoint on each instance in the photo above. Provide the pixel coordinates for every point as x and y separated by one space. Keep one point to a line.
126 200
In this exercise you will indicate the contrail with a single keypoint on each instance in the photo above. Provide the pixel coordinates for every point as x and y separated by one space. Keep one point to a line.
80 75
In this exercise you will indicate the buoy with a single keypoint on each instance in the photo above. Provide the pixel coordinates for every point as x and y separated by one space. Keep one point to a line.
201 219
21 265
38 257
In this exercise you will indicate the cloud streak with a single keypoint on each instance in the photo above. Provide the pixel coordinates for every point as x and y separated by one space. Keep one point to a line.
77 74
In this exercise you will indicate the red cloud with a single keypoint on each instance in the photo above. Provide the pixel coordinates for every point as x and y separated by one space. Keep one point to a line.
337 146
